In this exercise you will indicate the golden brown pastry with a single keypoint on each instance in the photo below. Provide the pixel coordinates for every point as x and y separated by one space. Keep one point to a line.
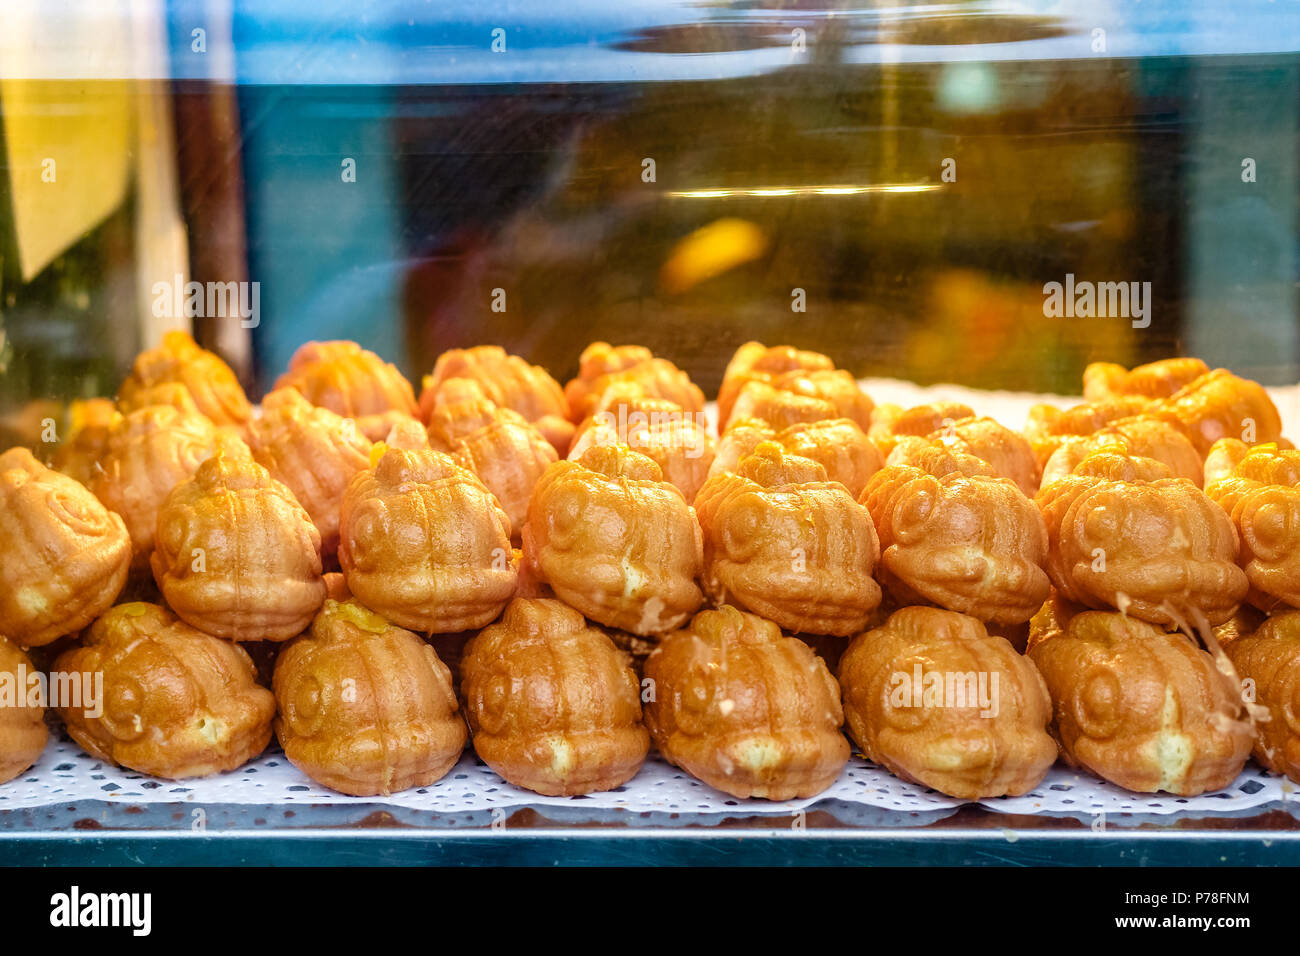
832 385
366 708
424 543
1261 496
1007 452
176 702
1140 436
890 423
314 452
937 700
603 366
616 541
937 458
746 710
678 441
63 555
497 444
553 705
779 407
236 555
1048 425
179 360
1140 707
89 422
1270 659
1160 379
1218 405
149 452
837 444
508 381
1124 535
352 382
782 541
967 542
22 724
755 362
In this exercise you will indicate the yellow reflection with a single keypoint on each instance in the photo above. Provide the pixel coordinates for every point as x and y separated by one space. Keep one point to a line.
766 191
711 250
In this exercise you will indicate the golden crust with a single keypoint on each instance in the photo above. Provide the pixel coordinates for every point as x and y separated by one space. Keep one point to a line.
236 555
22 727
1008 453
754 361
969 543
497 444
746 710
204 377
366 708
1047 424
312 451
602 366
1218 405
1261 496
938 701
780 408
65 556
1157 548
89 423
1141 707
553 705
423 542
837 444
508 381
782 541
1102 380
353 383
890 423
1139 436
176 702
615 541
1270 657
148 453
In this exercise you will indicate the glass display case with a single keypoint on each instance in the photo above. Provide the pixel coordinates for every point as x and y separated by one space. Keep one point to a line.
966 203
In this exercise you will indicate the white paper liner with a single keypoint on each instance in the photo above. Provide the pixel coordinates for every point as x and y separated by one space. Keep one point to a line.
66 774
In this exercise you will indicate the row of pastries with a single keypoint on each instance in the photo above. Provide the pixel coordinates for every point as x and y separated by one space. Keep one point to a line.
566 576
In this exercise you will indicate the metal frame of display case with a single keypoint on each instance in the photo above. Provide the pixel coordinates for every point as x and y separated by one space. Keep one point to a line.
830 833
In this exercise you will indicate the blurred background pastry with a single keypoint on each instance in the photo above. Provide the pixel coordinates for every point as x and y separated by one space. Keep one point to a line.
176 702
508 381
553 705
207 379
148 453
616 541
745 709
1158 379
498 444
602 366
314 452
366 708
352 382
755 362
938 701
65 556
838 444
236 555
1141 707
784 542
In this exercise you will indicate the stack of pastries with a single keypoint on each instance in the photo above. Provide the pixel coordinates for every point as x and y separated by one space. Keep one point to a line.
567 576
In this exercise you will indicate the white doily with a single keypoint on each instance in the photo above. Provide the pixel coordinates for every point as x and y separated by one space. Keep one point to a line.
66 774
